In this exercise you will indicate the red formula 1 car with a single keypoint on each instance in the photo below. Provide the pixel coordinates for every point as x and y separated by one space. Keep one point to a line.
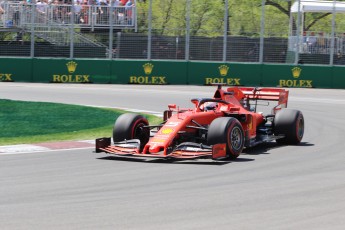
216 128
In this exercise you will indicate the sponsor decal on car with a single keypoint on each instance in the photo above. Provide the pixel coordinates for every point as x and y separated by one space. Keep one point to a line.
147 79
167 131
296 73
157 140
71 78
223 72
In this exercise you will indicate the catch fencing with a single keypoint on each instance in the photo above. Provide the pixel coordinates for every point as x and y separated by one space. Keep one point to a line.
143 30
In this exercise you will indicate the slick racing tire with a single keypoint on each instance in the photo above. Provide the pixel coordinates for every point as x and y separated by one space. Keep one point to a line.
290 123
227 130
131 126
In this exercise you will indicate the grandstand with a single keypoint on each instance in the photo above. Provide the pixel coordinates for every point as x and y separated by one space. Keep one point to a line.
55 22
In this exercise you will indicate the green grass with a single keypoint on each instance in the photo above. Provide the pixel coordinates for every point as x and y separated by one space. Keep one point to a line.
31 122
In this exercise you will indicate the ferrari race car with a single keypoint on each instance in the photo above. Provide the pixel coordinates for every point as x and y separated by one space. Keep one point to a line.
217 128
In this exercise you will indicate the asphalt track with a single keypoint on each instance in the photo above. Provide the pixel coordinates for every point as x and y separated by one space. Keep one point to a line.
290 187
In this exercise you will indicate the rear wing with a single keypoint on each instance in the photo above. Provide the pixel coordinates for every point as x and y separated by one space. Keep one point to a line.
269 94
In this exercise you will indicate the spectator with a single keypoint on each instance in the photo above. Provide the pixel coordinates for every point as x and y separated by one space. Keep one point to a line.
311 41
65 11
57 11
339 60
103 2
84 17
77 7
42 6
128 11
102 11
16 16
129 4
2 11
120 12
115 5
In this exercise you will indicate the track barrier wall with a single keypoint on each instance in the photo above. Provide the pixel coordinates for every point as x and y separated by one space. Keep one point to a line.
169 72
16 69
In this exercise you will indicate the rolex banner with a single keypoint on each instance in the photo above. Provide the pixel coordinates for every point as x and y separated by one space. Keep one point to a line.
150 72
71 71
300 76
224 73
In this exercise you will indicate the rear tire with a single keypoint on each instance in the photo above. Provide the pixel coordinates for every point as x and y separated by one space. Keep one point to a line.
290 123
131 126
227 130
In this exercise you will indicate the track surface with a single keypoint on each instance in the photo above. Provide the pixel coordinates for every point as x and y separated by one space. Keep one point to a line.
291 187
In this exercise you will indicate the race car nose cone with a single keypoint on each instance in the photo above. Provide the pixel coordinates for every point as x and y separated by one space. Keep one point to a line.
155 148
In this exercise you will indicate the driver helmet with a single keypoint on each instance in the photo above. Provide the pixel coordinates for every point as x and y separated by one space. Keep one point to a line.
210 105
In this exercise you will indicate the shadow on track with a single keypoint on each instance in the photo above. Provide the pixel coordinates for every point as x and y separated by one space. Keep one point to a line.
257 150
170 161
264 148
165 161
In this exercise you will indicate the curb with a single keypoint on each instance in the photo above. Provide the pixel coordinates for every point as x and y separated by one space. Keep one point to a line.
44 147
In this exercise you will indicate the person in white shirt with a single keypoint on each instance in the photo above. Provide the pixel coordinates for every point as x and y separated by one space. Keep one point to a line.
42 6
2 11
311 42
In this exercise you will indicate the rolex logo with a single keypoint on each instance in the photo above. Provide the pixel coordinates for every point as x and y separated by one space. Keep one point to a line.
223 70
296 72
71 66
148 68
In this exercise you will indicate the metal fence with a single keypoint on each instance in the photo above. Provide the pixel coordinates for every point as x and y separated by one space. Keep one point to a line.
110 30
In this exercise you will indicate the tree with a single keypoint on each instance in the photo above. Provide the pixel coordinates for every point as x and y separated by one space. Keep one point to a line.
284 6
244 17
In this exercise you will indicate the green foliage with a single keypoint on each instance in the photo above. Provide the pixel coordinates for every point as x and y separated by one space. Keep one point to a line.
207 18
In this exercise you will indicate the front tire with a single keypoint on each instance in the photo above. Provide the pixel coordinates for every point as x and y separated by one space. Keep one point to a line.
227 130
131 126
290 123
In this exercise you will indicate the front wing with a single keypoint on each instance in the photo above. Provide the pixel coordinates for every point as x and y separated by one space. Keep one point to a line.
187 150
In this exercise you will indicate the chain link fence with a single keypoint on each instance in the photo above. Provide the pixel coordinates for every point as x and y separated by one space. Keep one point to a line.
204 31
